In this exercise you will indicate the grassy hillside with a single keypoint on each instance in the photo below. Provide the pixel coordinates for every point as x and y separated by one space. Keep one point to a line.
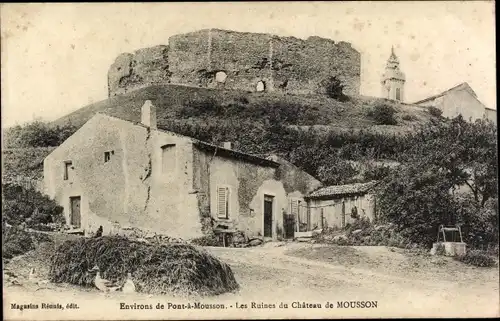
27 162
313 132
172 101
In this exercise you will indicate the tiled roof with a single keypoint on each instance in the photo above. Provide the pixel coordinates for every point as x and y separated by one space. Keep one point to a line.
336 190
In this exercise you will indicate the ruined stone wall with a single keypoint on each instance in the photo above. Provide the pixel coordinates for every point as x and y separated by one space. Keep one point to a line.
285 64
146 67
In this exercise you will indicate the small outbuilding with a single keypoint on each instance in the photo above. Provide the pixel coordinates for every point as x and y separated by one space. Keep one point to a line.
339 205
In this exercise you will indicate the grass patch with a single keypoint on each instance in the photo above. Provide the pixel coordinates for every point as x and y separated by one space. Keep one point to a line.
477 258
177 269
17 241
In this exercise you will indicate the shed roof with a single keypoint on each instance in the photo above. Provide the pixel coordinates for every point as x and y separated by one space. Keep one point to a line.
339 190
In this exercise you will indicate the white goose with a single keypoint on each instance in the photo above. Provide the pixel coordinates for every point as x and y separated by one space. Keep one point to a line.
129 286
103 284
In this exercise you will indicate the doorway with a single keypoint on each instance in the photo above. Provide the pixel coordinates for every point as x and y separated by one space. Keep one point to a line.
75 213
268 215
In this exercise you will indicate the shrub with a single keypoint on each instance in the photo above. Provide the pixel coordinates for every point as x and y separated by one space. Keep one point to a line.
38 134
16 241
477 258
334 89
360 223
207 240
434 111
29 206
156 268
409 117
383 115
376 173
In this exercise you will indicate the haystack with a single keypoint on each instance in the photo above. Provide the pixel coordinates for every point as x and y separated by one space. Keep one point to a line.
176 269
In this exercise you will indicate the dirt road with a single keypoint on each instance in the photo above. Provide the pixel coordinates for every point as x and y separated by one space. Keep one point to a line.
281 275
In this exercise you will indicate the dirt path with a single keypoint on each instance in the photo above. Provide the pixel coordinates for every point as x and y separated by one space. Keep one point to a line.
416 294
274 275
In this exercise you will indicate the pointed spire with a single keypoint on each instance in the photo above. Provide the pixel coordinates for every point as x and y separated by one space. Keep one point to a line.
393 58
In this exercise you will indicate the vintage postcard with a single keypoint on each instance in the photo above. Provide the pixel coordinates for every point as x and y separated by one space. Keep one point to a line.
249 160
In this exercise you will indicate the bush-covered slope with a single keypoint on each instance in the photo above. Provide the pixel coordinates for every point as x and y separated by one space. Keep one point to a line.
311 131
183 102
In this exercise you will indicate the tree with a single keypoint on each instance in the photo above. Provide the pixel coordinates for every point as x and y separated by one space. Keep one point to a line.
466 152
424 192
417 200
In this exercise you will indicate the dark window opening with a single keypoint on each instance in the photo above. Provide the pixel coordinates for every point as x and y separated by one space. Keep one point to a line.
169 161
67 167
107 156
398 94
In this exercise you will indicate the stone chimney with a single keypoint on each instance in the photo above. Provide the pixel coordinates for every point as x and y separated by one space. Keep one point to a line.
227 145
148 114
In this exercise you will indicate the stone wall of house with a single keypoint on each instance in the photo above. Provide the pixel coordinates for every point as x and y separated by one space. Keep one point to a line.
248 183
214 58
490 114
458 102
131 189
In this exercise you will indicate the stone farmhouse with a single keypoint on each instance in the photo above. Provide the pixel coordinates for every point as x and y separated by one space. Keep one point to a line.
116 174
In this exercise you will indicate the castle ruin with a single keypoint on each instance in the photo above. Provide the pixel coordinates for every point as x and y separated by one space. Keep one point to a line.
214 58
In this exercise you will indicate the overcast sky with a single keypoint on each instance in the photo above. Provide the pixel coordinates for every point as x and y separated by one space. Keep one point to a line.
55 57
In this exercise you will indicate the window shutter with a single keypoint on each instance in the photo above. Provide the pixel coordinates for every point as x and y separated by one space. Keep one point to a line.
222 202
294 207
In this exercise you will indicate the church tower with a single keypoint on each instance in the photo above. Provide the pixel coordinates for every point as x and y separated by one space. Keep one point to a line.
393 79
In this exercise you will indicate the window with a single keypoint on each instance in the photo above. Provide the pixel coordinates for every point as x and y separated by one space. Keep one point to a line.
107 156
223 202
67 168
261 86
398 94
168 158
220 77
